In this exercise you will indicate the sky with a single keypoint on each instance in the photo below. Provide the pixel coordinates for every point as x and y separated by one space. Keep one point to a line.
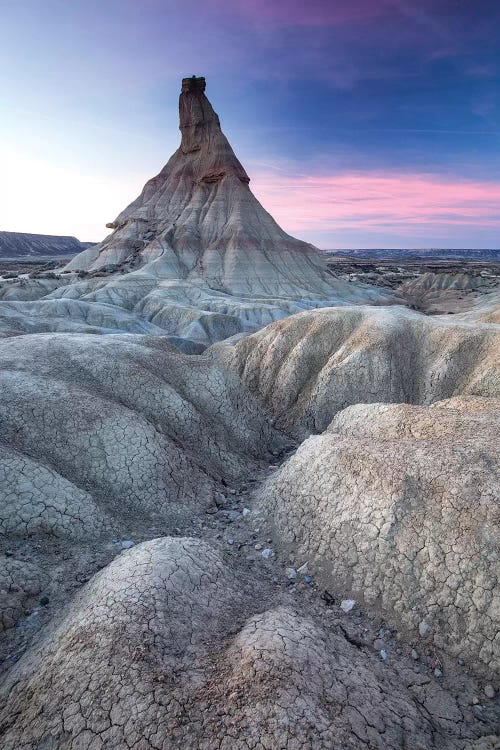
362 123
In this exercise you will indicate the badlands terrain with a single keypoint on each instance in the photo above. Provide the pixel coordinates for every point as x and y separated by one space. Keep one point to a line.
248 499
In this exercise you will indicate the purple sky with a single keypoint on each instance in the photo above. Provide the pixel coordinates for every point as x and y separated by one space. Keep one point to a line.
362 123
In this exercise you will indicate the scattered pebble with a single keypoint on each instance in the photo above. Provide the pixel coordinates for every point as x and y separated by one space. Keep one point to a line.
437 672
246 512
258 546
291 573
230 541
308 579
347 604
475 701
489 691
266 553
414 654
460 662
383 654
127 544
424 628
303 570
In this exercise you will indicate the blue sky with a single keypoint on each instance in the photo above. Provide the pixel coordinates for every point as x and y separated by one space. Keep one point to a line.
362 123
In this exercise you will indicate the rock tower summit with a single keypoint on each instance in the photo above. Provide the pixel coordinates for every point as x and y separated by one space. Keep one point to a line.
194 83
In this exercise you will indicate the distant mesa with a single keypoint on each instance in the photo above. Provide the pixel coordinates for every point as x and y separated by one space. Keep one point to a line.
419 253
15 245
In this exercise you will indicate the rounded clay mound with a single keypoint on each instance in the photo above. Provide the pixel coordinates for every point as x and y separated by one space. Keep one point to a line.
165 648
400 504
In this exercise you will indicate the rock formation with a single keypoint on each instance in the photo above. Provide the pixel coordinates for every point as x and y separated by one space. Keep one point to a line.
198 220
168 647
308 367
22 244
167 578
401 504
195 255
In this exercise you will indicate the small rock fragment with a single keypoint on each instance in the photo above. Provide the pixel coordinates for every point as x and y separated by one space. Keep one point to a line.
258 546
127 544
246 512
424 628
291 573
489 691
347 604
308 579
266 553
414 654
383 654
437 672
230 541
303 570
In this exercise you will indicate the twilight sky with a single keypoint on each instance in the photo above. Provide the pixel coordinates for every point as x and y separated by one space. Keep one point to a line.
362 123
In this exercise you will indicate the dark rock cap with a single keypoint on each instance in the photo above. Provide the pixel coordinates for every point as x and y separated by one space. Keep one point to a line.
195 83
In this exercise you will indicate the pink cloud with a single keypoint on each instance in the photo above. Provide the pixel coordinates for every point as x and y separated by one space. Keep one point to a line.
377 202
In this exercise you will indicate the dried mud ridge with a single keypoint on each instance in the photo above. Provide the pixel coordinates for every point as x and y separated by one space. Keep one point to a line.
208 632
204 642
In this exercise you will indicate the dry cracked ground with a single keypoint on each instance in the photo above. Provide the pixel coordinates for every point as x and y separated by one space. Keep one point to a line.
246 503
288 541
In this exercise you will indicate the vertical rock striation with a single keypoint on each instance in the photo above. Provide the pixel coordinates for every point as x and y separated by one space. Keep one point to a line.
198 220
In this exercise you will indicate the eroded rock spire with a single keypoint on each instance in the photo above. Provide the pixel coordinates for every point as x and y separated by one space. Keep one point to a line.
198 220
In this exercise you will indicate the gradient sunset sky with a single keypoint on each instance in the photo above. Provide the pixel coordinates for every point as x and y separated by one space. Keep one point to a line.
362 123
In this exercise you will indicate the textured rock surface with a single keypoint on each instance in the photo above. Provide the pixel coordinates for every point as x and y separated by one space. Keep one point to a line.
166 648
197 219
212 630
308 367
101 427
402 503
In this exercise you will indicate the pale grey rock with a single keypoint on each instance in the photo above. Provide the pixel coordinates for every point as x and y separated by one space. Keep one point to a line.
308 367
424 628
401 502
170 647
96 429
198 220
